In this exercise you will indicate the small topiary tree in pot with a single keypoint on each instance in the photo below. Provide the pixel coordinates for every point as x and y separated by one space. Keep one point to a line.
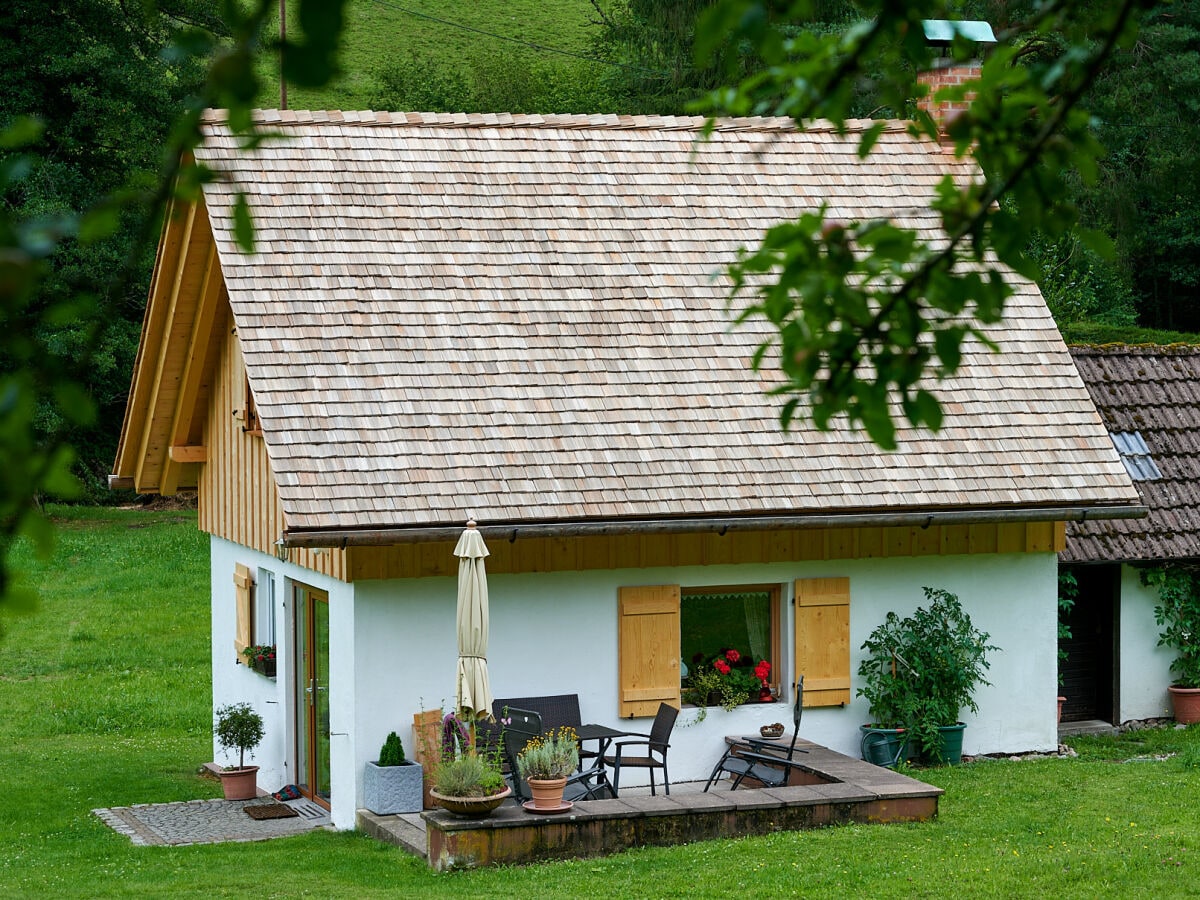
393 784
922 671
239 727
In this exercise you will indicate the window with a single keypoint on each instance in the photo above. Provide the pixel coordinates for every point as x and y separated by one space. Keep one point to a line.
264 608
650 637
250 423
254 608
1136 456
745 619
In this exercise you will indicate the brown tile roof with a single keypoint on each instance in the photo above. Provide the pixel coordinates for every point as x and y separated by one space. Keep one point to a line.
1154 391
521 318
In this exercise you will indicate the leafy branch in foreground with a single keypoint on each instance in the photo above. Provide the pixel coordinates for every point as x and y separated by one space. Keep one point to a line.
866 311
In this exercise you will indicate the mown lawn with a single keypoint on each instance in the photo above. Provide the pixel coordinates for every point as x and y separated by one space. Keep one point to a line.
104 701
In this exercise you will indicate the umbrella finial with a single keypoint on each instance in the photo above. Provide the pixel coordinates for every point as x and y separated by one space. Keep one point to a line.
470 521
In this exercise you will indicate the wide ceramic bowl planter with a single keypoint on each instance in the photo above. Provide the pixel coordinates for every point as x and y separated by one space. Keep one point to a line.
1186 703
239 784
391 790
471 807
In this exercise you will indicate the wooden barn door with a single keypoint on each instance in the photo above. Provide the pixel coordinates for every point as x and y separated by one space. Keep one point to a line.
1090 672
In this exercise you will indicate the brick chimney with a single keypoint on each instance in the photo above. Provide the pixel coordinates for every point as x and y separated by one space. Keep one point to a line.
947 70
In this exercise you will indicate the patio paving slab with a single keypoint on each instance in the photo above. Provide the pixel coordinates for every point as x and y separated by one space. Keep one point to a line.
208 821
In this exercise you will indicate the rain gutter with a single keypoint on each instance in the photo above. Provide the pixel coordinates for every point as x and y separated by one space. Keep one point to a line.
379 537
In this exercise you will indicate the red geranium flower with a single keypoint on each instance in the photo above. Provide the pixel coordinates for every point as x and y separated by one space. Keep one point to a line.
721 666
733 656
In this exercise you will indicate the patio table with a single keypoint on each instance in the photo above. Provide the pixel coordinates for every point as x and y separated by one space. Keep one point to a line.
603 735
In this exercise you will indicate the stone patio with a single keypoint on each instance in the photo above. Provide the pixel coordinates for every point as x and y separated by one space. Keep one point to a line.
832 789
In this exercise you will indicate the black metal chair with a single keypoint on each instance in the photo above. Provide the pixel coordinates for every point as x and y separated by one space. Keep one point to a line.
521 726
656 743
746 758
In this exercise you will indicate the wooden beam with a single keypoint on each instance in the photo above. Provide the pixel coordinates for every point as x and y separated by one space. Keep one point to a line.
120 483
164 346
195 357
188 454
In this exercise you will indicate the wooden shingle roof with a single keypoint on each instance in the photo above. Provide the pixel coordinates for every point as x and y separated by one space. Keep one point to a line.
522 319
1152 392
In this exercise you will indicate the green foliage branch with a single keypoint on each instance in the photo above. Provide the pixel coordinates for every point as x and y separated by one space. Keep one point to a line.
239 727
922 671
864 312
1178 613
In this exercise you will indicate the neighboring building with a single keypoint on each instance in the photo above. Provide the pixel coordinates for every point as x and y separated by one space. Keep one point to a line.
521 319
1149 399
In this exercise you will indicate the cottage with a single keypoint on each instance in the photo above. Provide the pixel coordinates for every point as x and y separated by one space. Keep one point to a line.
523 320
1114 670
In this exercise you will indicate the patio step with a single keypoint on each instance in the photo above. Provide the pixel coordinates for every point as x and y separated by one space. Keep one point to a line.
395 830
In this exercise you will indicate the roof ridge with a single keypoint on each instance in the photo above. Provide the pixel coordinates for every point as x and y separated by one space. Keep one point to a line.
609 121
1116 347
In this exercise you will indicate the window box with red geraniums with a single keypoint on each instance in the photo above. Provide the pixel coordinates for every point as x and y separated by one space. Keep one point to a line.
261 658
727 679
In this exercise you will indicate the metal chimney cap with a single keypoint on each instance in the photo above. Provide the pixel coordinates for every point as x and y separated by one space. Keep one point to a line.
943 31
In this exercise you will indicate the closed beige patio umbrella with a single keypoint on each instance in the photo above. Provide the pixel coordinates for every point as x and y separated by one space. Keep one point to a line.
473 694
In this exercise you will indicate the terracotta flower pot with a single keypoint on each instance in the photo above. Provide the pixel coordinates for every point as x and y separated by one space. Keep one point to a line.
547 792
1186 703
240 784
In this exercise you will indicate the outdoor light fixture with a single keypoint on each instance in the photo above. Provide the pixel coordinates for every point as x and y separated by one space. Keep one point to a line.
281 550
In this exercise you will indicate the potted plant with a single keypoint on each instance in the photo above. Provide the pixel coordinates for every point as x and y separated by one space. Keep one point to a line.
393 784
546 762
261 658
1178 612
470 785
727 679
922 671
239 726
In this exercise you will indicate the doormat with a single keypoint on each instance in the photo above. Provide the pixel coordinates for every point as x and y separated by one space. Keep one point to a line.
270 811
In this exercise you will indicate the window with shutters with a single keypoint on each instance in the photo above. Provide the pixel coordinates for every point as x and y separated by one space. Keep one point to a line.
665 632
243 593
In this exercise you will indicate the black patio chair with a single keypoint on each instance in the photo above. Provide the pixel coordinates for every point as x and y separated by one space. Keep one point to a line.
656 744
521 726
746 758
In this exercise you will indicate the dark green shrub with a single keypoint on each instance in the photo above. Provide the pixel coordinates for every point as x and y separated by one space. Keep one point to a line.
392 751
238 725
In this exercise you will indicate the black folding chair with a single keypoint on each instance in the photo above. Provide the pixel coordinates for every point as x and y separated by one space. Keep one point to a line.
655 757
746 758
521 726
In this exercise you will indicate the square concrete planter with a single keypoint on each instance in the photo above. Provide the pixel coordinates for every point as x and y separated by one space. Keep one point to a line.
388 790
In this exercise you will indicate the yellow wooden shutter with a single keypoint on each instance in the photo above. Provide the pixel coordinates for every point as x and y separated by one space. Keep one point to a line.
648 649
823 640
243 599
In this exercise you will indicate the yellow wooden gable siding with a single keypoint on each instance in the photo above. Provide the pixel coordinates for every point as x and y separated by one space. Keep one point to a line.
648 551
648 649
238 498
822 640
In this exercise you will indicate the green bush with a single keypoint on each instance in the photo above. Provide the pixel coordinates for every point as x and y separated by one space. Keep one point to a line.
921 672
1178 612
392 751
238 725
469 775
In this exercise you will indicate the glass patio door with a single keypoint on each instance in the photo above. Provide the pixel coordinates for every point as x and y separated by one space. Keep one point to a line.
312 691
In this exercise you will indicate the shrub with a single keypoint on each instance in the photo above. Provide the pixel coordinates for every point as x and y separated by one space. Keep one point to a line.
1178 612
921 672
392 751
469 775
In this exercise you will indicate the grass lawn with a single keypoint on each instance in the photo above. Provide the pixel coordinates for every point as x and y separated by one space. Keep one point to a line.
105 701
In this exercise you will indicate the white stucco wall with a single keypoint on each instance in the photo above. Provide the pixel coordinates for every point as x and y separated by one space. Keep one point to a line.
1145 667
393 653
557 633
272 698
